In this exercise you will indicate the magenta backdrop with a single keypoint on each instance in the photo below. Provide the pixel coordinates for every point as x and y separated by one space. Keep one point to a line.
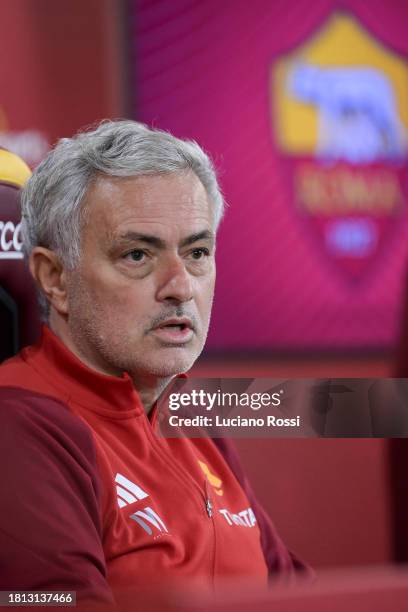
201 70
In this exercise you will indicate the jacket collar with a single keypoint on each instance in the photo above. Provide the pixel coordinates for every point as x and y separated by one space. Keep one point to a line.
76 381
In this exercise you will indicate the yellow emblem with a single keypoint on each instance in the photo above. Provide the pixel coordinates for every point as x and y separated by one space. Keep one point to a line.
214 481
342 63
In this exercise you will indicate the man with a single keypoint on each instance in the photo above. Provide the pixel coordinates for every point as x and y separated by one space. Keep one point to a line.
119 226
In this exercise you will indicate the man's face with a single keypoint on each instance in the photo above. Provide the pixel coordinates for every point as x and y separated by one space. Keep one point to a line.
140 299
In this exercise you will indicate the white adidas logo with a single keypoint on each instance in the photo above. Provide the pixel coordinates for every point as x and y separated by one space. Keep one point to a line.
128 492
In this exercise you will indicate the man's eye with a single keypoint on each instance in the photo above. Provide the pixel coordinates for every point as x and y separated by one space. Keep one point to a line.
136 255
199 253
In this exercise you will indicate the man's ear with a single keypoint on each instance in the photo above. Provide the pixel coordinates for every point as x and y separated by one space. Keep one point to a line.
49 274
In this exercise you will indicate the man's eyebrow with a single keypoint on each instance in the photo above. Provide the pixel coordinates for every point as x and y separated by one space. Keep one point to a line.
204 235
147 238
160 244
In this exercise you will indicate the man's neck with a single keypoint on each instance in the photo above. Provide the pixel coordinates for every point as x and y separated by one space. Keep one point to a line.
150 388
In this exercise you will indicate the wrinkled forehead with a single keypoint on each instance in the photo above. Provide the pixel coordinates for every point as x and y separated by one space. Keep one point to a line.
158 203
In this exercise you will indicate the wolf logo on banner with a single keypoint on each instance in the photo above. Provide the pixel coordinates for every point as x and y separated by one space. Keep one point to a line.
340 118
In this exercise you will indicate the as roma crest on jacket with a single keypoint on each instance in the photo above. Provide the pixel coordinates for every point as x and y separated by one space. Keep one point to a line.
339 109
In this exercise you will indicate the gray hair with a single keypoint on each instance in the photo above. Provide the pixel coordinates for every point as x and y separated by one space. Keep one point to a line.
52 214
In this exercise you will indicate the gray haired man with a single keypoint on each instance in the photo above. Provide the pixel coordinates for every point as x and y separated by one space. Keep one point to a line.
119 227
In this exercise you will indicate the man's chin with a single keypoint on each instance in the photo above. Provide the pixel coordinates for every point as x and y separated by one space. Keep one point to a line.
172 361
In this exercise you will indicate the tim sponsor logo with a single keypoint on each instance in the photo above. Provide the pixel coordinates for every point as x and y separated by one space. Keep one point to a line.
245 518
10 243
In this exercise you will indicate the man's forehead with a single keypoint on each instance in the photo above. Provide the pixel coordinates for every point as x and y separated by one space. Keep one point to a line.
152 205
149 195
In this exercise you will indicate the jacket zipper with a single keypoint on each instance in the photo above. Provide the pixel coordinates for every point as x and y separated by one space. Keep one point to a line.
209 507
180 471
210 513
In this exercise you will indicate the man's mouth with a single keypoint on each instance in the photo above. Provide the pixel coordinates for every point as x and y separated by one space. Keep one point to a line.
175 331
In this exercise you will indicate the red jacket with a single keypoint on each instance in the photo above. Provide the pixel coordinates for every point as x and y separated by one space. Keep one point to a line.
94 500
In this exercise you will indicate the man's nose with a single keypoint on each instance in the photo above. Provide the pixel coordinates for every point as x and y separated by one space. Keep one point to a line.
174 281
